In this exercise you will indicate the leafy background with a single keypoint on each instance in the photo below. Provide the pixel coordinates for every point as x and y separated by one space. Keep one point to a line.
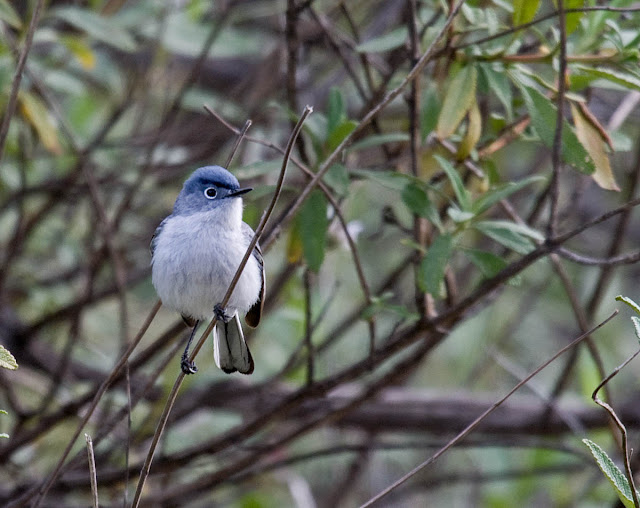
411 290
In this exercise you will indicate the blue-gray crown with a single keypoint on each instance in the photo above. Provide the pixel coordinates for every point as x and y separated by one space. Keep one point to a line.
219 181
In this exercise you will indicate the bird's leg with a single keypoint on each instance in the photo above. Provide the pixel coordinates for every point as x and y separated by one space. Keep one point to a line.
187 366
220 314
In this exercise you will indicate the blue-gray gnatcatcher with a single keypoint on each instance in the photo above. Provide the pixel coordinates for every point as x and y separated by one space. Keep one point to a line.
195 253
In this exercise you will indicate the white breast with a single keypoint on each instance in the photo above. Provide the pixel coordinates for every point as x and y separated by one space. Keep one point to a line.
195 259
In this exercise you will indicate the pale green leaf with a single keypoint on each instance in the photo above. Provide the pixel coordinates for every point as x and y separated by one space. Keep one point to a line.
100 28
391 40
456 182
432 268
9 15
7 360
460 96
629 302
616 477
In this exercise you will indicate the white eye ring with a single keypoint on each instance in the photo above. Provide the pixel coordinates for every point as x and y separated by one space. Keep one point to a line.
210 193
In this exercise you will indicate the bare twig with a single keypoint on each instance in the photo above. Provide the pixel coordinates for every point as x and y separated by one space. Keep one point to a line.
477 421
42 491
92 471
621 427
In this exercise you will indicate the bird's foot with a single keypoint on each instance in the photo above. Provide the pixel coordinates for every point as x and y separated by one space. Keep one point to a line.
220 314
187 366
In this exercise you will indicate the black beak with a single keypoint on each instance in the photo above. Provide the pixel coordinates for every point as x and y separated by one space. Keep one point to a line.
239 192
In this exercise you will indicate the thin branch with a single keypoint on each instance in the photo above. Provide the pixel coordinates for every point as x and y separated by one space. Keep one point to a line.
478 420
556 150
42 491
621 427
92 471
17 77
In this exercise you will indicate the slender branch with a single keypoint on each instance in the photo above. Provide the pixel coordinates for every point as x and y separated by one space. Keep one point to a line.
621 427
92 471
478 420
17 77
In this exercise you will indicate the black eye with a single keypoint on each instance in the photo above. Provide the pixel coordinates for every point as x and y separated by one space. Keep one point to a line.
210 193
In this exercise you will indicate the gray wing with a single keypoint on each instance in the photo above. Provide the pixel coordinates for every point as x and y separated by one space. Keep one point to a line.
154 238
255 312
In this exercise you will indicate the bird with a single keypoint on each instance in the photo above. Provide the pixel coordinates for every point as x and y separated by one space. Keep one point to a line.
195 252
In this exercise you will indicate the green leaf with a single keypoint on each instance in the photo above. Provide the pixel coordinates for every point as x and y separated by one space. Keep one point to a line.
7 360
499 84
429 112
524 11
98 27
461 192
9 15
336 113
636 325
616 477
390 179
417 200
434 263
337 177
572 20
380 139
628 81
391 40
543 117
488 263
629 302
513 236
460 96
313 224
491 197
339 133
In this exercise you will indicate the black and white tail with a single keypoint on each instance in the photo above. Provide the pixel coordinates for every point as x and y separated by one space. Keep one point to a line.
230 350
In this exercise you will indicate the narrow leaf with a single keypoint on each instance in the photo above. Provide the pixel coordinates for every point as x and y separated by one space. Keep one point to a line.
474 129
629 302
313 225
433 265
9 15
336 113
35 111
543 117
592 140
626 80
100 28
380 139
612 472
459 98
636 325
494 195
391 40
419 203
524 11
7 360
456 182
504 234
488 263
339 133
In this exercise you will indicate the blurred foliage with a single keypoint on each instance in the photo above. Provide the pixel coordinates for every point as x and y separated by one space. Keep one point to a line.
450 184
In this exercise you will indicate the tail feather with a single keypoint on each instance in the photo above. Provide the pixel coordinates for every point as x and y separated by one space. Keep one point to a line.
230 350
